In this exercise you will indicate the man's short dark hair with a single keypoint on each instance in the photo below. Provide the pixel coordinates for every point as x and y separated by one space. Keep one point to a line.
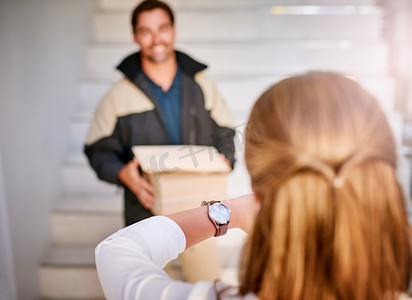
148 5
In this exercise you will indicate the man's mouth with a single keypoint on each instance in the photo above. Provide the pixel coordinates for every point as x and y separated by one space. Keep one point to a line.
158 48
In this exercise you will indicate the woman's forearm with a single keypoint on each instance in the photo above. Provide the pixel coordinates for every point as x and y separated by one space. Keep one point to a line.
197 226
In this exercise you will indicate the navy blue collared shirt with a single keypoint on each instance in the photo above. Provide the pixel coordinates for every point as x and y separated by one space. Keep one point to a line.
170 106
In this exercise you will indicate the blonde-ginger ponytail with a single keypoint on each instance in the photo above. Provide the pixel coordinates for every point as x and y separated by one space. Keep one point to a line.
332 223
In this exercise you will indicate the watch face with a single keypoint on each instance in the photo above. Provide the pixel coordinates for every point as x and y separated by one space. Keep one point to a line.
220 213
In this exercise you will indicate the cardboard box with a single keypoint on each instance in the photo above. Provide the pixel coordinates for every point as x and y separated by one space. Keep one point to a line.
183 176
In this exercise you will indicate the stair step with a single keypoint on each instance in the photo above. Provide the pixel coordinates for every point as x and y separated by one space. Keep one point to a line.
86 220
353 23
70 273
96 204
78 178
263 58
128 5
85 228
70 256
70 282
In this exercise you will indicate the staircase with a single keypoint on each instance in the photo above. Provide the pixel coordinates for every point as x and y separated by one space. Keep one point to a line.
248 45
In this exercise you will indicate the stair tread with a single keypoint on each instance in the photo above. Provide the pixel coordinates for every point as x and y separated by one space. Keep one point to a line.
73 256
90 204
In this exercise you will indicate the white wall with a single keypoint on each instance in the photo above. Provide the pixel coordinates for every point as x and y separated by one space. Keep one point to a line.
7 276
42 59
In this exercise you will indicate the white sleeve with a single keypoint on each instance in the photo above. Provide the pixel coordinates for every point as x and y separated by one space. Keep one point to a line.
130 262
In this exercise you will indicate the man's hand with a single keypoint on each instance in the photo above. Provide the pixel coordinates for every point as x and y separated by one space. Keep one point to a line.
228 162
130 177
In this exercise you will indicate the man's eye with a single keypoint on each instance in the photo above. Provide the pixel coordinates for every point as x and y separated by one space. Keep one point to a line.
144 32
165 28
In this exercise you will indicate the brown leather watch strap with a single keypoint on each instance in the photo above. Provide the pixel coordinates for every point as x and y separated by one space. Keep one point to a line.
221 229
204 203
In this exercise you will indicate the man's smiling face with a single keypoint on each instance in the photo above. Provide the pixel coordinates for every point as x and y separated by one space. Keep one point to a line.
155 34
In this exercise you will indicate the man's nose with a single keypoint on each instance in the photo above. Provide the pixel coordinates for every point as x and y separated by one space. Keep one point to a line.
156 38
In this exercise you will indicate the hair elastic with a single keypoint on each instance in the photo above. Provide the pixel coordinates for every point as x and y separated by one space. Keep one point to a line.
338 182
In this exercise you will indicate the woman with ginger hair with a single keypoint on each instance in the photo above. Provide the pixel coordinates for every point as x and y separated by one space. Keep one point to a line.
327 219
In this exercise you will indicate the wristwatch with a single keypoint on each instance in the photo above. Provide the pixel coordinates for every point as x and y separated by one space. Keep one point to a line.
219 214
